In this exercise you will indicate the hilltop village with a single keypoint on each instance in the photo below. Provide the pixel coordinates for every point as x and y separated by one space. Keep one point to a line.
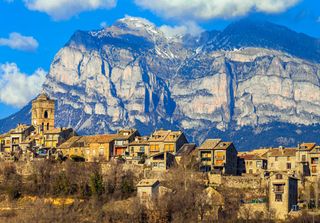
277 183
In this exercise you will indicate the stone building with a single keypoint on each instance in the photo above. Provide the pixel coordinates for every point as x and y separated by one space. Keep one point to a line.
283 193
217 156
166 141
148 190
139 146
122 140
42 117
253 164
39 137
90 148
282 159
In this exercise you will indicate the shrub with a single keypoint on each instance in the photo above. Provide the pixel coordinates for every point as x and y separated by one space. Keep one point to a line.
77 158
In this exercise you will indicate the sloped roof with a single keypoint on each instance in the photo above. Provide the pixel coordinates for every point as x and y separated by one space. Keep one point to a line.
140 140
56 130
173 136
209 143
77 140
148 183
124 134
186 149
159 135
251 157
223 145
67 144
282 152
307 146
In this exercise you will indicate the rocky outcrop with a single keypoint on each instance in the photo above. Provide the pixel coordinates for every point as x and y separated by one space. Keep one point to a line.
221 84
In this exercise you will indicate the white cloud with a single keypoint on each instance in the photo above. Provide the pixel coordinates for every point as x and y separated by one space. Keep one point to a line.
17 88
188 27
64 9
210 9
20 42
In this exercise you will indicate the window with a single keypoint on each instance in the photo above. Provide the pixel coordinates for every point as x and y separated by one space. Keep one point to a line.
259 163
314 160
47 126
101 151
250 171
278 197
276 158
278 188
279 176
154 147
288 158
142 149
303 158
45 115
289 166
314 169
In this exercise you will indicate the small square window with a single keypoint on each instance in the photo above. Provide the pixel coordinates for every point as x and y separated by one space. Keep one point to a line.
278 197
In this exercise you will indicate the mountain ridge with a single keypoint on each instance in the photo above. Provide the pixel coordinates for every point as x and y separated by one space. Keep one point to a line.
219 84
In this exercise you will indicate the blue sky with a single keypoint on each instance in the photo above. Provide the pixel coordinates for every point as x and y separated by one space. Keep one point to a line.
32 31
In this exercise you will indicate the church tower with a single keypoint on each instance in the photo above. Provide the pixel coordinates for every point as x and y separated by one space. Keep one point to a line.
43 113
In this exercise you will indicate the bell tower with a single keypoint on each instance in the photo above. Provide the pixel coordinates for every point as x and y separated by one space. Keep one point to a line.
42 113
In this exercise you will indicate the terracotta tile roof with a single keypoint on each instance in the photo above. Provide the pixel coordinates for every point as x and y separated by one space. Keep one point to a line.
251 157
56 130
81 141
99 138
282 152
210 144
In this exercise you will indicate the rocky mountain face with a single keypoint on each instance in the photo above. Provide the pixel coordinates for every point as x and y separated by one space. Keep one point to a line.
255 83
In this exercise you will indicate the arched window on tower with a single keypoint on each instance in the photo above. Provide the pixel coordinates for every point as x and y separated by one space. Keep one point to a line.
45 114
47 126
42 126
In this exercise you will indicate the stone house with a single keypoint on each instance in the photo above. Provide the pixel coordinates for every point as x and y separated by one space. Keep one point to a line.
166 141
253 164
122 140
139 146
314 161
218 157
282 159
283 193
91 148
148 190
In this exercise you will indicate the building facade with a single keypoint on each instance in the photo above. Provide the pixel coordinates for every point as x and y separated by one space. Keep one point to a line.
166 141
283 193
218 157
